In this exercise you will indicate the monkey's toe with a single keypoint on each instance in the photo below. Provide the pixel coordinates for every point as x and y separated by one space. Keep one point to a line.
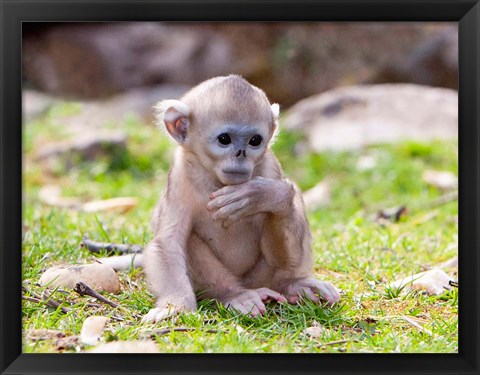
309 288
158 314
247 302
267 295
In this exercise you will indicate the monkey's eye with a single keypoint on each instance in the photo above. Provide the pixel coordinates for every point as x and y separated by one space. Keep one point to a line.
224 139
255 140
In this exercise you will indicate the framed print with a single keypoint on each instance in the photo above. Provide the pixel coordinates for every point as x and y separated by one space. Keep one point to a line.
315 166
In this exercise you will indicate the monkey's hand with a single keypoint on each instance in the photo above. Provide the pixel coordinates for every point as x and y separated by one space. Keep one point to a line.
234 202
167 310
252 301
312 289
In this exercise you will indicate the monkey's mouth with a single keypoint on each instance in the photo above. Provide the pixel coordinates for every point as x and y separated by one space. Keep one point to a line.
235 176
236 172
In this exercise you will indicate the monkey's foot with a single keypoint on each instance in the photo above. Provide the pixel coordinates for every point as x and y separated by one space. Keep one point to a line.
312 289
252 301
158 314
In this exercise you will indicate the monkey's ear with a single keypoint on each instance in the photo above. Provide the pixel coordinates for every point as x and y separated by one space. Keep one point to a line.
276 113
275 110
174 114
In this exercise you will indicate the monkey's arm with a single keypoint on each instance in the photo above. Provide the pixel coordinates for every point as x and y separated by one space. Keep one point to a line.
165 265
286 238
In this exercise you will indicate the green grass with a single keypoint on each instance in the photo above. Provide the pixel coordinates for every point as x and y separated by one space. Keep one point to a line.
351 250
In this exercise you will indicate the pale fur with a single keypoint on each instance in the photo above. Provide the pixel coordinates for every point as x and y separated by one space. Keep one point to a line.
241 244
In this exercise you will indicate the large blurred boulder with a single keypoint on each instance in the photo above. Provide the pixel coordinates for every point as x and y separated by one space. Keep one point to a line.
359 116
293 60
118 108
434 62
289 60
94 60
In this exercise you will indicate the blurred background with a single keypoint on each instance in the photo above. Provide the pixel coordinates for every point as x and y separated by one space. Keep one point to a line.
89 88
288 60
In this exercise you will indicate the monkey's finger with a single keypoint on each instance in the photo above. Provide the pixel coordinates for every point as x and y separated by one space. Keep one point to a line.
258 310
328 292
230 211
225 190
252 308
308 293
300 290
222 201
234 217
293 300
266 295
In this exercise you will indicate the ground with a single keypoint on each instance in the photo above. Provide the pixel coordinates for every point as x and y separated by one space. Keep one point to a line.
352 250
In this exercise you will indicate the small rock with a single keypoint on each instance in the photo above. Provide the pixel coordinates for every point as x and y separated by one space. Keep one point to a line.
127 347
98 276
92 329
441 179
315 331
239 329
433 282
88 147
318 196
52 196
35 104
365 163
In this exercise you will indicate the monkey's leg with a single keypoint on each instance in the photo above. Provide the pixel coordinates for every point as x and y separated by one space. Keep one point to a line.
214 280
166 272
286 245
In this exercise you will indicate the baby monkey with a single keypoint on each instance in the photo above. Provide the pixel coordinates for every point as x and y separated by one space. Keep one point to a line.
229 226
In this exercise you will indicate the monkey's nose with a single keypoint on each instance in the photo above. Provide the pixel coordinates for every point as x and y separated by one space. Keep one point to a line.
240 152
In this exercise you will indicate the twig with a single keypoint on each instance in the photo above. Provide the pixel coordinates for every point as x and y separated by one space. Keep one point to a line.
453 283
181 329
449 197
84 290
47 299
110 248
338 342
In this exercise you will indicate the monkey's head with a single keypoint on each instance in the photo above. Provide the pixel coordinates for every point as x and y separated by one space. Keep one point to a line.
225 123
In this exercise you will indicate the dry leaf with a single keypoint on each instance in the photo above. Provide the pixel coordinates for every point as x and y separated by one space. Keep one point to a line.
98 276
417 324
441 180
127 347
92 329
121 204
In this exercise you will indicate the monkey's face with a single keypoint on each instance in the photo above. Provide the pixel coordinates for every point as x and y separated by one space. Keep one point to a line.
234 150
225 123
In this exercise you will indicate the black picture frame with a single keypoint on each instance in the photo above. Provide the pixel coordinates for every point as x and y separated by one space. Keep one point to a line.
14 12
